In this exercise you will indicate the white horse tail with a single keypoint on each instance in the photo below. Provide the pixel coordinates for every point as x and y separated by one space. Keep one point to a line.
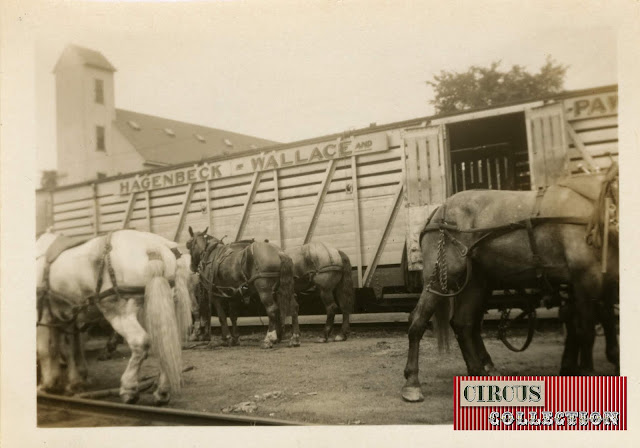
161 322
440 321
184 297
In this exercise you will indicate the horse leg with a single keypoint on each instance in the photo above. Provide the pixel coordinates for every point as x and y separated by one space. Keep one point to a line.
569 364
264 287
111 345
418 320
608 321
331 307
233 315
122 315
204 333
345 329
73 354
222 318
586 293
49 361
480 348
467 307
295 326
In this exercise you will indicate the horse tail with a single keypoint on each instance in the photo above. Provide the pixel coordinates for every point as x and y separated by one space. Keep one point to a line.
160 321
285 289
440 321
184 298
344 289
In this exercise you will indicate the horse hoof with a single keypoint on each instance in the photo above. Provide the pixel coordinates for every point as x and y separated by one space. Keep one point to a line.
235 342
161 398
321 340
340 338
412 394
267 344
491 370
294 342
130 398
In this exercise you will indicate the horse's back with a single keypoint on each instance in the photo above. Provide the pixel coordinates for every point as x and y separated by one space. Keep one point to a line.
266 255
313 256
488 208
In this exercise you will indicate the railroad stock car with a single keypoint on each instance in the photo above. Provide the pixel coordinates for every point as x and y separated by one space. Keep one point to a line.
367 192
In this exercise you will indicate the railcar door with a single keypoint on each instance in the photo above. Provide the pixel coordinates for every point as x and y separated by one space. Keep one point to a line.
547 142
426 183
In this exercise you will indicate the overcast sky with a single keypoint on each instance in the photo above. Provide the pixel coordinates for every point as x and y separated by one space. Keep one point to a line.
286 71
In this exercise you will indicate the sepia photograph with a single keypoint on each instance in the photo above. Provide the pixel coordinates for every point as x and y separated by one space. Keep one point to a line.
281 213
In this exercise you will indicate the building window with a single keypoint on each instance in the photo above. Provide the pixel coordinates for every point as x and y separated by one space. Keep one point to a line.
99 91
100 138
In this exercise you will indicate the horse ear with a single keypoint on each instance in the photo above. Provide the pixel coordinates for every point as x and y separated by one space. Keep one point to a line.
205 230
191 231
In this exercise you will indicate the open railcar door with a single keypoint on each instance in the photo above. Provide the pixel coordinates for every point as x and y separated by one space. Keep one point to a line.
547 143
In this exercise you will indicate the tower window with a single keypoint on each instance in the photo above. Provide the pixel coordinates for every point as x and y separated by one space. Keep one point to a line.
99 91
100 138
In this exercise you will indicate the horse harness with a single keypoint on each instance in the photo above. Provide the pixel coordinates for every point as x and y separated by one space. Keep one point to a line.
215 253
448 229
45 294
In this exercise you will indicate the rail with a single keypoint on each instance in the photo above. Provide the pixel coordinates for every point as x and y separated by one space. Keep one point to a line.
151 415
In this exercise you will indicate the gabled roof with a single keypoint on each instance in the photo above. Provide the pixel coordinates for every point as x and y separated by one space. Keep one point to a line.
85 56
161 141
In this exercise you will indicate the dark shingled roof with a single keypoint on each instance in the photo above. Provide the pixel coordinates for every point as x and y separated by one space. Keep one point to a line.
88 57
168 142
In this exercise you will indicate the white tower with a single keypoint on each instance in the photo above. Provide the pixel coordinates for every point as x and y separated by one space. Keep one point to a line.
85 112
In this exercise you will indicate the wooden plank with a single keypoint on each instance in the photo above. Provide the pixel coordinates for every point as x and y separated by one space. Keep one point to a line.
392 212
577 142
412 171
255 181
356 216
598 135
278 218
319 200
183 213
436 180
128 210
207 191
599 122
96 211
423 171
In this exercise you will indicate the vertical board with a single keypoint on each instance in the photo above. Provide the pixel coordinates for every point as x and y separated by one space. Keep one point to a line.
548 151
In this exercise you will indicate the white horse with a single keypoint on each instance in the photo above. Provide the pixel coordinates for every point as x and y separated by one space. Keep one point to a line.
142 265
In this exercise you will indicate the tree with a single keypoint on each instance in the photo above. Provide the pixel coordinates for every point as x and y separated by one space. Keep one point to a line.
489 86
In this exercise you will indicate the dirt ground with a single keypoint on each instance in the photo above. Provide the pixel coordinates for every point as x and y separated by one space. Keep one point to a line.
352 382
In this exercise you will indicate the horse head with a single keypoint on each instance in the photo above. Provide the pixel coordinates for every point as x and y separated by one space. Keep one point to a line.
198 244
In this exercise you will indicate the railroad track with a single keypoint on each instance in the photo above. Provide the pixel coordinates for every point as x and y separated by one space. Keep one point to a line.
63 411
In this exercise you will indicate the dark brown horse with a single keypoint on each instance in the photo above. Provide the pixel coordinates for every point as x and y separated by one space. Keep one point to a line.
479 241
229 272
326 270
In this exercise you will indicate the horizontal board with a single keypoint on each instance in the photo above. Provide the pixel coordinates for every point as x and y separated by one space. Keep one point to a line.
594 123
600 135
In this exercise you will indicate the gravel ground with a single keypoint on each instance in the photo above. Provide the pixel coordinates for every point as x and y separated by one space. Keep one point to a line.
355 382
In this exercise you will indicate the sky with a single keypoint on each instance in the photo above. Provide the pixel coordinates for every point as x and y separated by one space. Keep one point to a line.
287 71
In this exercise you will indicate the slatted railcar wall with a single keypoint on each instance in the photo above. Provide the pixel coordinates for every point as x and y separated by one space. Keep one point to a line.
378 177
594 119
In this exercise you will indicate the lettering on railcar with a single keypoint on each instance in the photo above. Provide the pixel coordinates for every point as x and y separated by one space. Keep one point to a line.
591 106
258 162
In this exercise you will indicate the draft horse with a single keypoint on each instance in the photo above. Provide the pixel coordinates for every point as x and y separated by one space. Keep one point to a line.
481 240
127 276
229 272
326 270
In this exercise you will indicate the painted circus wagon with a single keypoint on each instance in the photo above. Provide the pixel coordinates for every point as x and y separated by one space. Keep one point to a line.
367 191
